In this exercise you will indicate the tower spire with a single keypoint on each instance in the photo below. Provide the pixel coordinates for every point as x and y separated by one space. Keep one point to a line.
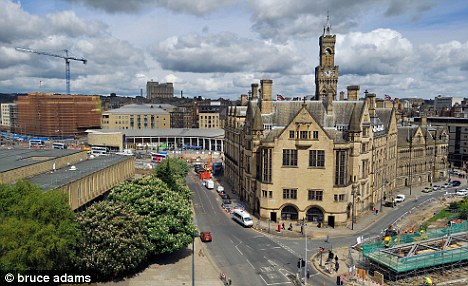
327 27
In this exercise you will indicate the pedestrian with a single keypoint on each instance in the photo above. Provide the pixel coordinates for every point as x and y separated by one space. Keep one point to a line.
302 229
327 239
282 226
290 227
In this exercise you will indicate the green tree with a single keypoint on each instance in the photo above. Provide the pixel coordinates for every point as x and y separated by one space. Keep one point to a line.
173 171
114 239
166 213
38 229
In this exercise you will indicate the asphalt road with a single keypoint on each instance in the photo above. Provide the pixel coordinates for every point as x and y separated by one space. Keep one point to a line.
248 257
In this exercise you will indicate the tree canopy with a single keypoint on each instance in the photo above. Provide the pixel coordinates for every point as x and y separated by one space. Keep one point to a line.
166 213
114 239
38 230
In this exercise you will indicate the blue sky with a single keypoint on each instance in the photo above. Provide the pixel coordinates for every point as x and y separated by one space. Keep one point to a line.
217 48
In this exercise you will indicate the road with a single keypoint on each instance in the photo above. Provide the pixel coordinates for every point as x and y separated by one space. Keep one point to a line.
248 257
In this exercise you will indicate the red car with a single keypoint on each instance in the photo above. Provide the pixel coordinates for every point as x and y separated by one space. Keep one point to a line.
205 236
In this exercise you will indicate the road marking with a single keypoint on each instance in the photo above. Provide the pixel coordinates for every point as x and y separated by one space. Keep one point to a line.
278 283
251 265
238 249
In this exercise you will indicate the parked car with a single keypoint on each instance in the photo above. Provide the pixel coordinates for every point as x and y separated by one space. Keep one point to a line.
220 189
427 190
227 201
462 192
221 193
400 198
455 183
436 187
225 197
205 236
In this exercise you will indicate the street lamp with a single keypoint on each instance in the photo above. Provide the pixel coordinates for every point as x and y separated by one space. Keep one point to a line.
353 192
195 234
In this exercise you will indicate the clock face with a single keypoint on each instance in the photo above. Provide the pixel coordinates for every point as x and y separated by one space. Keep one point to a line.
328 73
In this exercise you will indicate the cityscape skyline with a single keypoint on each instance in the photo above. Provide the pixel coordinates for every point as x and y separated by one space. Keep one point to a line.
217 49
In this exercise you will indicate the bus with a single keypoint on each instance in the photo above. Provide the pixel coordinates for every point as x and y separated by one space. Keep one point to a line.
158 157
58 145
36 143
97 150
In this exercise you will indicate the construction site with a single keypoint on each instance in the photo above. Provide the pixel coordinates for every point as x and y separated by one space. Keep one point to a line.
58 115
418 254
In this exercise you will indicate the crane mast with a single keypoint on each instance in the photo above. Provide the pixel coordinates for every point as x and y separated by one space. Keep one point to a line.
67 59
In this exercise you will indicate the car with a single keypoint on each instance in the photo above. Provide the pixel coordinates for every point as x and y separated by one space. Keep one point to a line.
427 190
462 192
205 236
436 187
225 197
400 198
221 193
220 189
455 183
227 201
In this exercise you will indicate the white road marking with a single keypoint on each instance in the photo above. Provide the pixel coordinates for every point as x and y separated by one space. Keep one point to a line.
251 265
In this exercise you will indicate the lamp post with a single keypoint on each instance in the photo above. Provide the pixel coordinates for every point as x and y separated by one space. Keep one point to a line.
195 234
353 192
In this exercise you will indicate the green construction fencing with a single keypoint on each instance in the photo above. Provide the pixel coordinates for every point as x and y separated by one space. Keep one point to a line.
415 237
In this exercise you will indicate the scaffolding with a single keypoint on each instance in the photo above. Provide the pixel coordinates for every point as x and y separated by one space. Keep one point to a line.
57 115
418 253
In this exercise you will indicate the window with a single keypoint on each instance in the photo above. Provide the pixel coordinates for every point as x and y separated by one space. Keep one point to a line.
340 167
290 194
339 198
289 157
267 165
316 158
315 135
270 193
314 195
264 193
304 134
291 134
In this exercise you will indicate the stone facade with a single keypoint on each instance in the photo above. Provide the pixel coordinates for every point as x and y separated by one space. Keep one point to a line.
324 160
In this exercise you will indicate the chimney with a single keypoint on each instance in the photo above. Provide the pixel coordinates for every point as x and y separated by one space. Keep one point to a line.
266 101
370 98
353 92
243 99
423 120
341 95
254 87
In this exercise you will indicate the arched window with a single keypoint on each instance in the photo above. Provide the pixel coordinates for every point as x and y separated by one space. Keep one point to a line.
314 215
289 213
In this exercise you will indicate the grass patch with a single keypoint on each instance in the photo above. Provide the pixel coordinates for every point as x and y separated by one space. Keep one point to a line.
443 214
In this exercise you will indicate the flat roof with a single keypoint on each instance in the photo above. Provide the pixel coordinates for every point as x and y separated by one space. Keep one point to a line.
169 132
17 158
63 176
140 109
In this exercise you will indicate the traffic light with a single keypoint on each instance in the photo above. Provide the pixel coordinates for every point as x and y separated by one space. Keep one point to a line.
320 249
301 263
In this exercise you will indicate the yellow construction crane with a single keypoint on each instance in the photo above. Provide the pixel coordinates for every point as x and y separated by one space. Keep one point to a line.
66 57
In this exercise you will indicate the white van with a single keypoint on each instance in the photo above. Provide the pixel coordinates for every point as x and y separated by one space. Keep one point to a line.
400 198
242 217
209 184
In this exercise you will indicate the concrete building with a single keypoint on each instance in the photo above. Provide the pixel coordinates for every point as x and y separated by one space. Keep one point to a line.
156 90
323 161
83 178
9 115
443 104
172 139
137 116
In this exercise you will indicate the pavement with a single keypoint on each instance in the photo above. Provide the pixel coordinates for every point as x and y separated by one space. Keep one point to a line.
176 268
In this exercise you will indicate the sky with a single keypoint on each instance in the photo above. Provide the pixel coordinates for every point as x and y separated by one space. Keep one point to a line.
217 48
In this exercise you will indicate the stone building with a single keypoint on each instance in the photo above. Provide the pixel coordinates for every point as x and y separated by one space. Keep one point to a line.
156 90
137 116
324 161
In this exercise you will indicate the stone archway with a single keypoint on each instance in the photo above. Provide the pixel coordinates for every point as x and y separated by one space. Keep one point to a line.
289 213
314 214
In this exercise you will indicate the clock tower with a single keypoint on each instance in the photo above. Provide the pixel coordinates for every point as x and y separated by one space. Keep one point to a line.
326 74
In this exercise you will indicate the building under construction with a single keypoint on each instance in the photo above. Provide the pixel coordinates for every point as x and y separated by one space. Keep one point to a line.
419 253
57 115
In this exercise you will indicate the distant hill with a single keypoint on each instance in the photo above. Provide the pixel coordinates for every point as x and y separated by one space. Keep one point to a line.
9 97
